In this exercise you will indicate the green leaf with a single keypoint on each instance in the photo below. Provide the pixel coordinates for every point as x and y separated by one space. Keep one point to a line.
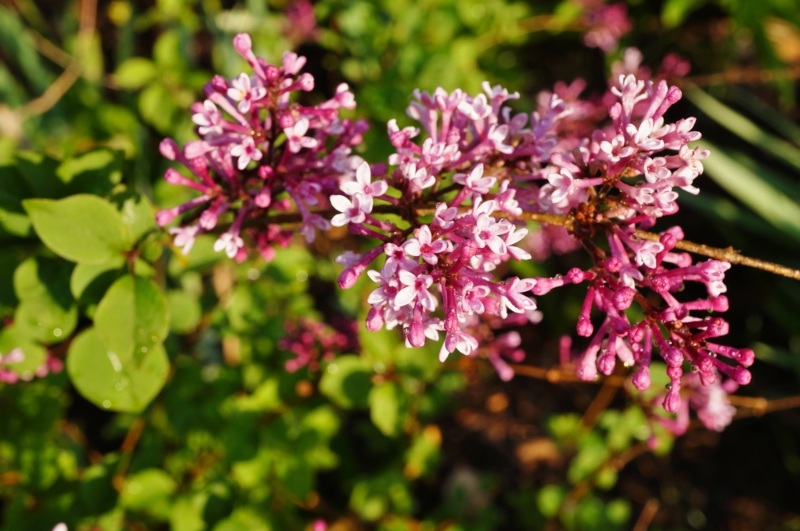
592 454
674 12
156 107
138 216
90 54
296 476
149 491
96 493
423 454
135 73
185 311
47 311
132 318
386 408
106 380
187 513
13 189
95 172
550 499
744 128
93 280
347 381
81 228
34 355
244 518
39 172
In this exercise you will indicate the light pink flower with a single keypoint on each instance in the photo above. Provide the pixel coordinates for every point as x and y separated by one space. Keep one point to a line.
244 93
363 185
350 211
423 246
415 289
295 135
246 151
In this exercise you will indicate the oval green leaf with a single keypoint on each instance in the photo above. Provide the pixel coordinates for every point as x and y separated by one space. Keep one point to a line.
132 318
110 382
82 228
347 382
47 311
33 354
386 408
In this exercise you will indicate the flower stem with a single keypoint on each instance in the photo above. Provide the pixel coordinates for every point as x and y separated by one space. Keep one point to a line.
566 220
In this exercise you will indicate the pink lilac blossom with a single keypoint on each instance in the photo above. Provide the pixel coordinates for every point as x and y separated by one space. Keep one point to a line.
311 341
481 165
604 24
260 154
457 185
708 400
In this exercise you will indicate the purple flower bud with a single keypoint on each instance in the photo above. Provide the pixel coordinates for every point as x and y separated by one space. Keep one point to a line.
305 82
584 327
169 149
672 401
164 217
218 84
641 378
242 44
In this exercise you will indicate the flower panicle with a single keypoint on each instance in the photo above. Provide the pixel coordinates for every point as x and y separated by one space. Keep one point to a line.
260 152
458 182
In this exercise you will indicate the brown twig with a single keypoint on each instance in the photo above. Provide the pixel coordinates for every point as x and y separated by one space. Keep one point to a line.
646 516
72 72
727 255
126 452
601 401
758 406
742 75
568 222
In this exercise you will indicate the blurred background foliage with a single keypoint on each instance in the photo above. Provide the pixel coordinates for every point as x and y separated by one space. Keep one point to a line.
373 435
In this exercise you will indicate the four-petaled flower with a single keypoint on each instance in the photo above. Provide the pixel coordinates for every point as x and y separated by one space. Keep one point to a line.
244 93
423 246
364 186
416 288
246 151
350 211
295 135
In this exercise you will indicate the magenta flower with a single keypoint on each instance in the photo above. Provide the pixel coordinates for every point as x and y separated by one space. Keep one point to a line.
295 135
415 288
247 152
209 120
230 243
350 211
243 93
423 245
364 186
475 182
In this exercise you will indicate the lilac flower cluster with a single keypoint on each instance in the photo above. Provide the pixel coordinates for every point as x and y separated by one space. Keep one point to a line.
616 184
458 187
259 154
709 401
312 341
440 273
603 24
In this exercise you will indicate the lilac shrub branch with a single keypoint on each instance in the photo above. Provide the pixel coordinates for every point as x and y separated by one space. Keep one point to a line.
566 221
461 183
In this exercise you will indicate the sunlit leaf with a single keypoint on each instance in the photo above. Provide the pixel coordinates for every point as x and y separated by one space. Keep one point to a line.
110 382
132 318
80 228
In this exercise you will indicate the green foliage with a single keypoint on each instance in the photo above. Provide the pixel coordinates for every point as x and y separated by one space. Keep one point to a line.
115 381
